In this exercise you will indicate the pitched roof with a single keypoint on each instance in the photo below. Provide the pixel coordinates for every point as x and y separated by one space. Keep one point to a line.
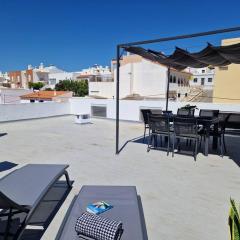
43 95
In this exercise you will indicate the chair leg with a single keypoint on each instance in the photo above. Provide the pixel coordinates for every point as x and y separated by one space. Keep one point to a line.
8 226
149 140
221 145
168 144
224 144
196 148
173 146
178 144
144 135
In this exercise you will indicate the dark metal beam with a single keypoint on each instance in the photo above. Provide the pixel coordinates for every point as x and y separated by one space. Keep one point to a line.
117 98
193 35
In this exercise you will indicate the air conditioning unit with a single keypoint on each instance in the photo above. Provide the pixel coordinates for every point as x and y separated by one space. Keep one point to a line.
82 118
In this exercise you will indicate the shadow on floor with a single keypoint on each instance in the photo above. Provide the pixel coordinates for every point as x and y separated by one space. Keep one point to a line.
43 215
3 134
232 140
4 166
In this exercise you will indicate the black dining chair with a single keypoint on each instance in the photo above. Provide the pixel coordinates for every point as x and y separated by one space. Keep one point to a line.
220 133
167 112
145 113
233 122
186 112
158 126
185 128
208 113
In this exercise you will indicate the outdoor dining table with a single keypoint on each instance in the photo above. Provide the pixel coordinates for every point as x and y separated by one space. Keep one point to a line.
206 122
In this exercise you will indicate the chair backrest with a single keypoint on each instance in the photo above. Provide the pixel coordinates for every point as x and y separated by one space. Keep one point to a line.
233 121
159 123
169 112
156 111
184 126
145 113
208 113
189 112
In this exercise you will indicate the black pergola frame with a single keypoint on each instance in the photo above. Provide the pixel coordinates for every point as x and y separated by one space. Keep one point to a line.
165 39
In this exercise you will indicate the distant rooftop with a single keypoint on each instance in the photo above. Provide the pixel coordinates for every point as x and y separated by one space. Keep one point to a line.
44 95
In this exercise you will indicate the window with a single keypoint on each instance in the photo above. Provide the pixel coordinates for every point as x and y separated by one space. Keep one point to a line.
171 79
99 111
52 81
203 71
195 80
209 79
178 82
174 79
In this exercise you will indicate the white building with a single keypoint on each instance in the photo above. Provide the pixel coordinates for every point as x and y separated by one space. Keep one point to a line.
139 76
4 77
96 70
203 77
22 78
100 81
56 75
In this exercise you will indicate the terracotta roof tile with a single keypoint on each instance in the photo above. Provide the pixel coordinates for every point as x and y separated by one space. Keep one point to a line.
43 95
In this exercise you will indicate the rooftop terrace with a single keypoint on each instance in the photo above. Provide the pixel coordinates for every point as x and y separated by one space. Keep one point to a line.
182 199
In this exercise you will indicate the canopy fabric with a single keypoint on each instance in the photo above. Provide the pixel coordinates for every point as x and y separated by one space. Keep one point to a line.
181 59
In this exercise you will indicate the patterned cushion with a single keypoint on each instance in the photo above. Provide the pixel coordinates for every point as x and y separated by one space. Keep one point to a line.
98 228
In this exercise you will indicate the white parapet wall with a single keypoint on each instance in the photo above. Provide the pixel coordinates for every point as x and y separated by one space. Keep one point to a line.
130 109
14 112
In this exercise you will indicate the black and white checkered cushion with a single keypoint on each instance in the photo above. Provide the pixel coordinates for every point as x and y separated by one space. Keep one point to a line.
98 228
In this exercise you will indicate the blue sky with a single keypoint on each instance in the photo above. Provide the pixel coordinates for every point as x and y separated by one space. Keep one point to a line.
74 34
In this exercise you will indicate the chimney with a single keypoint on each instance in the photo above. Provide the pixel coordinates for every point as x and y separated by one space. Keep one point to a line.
29 67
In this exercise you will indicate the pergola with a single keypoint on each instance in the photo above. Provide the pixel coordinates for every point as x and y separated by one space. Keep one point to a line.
179 60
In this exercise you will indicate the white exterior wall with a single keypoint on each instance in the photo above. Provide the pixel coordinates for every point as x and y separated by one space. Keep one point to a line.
60 76
40 76
13 112
130 109
149 79
197 73
144 78
104 89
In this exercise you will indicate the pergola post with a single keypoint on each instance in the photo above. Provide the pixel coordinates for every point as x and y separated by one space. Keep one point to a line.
117 98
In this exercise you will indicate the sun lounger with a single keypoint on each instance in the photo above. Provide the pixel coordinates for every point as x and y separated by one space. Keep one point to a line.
22 190
125 209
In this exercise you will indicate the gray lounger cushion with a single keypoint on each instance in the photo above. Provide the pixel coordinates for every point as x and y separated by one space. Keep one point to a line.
27 185
126 209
